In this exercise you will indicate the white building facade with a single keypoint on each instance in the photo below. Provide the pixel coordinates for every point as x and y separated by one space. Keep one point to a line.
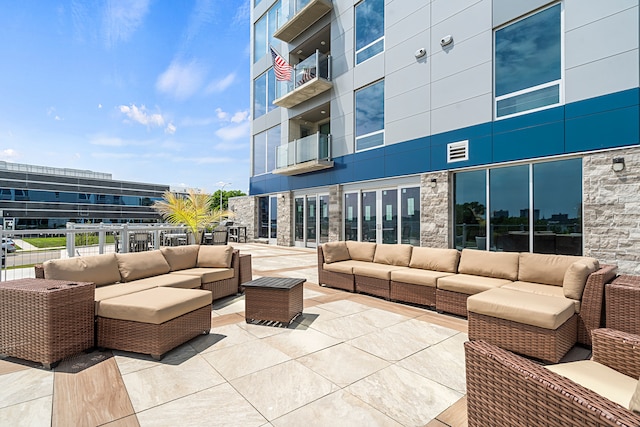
487 124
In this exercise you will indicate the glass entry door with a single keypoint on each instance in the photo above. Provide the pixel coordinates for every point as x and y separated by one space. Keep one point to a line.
379 216
311 220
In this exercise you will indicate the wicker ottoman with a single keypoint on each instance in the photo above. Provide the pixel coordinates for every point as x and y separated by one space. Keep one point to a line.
153 321
273 299
539 326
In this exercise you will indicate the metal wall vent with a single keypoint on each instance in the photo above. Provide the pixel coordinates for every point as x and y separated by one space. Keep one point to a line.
458 151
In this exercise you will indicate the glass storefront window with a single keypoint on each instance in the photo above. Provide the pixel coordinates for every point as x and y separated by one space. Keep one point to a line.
410 215
368 216
509 204
370 116
470 209
351 216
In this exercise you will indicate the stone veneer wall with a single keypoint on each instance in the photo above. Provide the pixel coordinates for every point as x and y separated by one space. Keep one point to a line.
434 210
245 209
284 221
611 206
335 213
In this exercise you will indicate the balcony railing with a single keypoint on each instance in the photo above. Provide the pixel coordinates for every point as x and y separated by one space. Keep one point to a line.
298 15
311 77
304 155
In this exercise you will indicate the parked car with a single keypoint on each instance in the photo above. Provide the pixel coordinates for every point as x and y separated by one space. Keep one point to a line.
8 245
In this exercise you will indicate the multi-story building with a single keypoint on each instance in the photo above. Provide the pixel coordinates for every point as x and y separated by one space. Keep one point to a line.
447 123
40 197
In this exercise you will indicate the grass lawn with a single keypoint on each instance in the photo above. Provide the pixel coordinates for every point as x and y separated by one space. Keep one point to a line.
57 242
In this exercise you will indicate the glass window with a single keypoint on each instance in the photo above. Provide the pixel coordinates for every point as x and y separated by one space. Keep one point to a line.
263 32
410 215
528 63
368 217
260 153
299 219
273 141
557 207
263 214
509 204
470 220
370 116
260 96
351 216
369 29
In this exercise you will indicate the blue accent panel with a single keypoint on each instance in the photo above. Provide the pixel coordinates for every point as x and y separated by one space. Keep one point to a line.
525 121
610 129
479 154
612 101
405 163
371 168
469 133
526 143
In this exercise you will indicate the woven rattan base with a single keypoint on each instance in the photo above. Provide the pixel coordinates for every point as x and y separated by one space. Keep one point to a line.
451 302
417 294
337 280
246 271
622 301
373 286
276 304
533 341
153 339
222 288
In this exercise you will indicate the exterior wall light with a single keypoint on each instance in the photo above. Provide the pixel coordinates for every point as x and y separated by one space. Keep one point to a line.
434 182
618 164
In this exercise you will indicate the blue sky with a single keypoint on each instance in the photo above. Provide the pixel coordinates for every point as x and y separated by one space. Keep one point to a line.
149 91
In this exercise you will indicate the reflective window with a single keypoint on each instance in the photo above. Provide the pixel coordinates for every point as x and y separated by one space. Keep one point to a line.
351 216
410 215
470 209
509 204
273 141
263 214
273 217
528 63
370 116
369 29
368 217
263 32
323 210
260 96
264 150
299 219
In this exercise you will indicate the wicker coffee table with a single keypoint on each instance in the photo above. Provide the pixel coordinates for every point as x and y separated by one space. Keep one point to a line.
622 299
274 299
46 320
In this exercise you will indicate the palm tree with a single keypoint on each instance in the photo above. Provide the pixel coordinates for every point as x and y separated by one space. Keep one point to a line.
193 211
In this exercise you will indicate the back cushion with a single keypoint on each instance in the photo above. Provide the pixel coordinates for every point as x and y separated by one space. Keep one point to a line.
435 259
576 277
393 254
361 251
99 269
138 265
501 265
215 256
546 269
181 257
335 251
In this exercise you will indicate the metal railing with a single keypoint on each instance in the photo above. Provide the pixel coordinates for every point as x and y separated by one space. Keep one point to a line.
316 65
312 147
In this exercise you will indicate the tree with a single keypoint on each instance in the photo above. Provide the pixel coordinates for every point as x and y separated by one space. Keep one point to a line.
215 198
193 211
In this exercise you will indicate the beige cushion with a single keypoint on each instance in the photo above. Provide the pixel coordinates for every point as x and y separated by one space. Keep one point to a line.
634 404
99 269
215 256
501 265
170 280
540 289
119 289
416 276
522 307
599 378
576 277
181 257
435 259
139 265
378 271
393 254
541 268
345 267
206 275
156 306
468 284
335 251
361 251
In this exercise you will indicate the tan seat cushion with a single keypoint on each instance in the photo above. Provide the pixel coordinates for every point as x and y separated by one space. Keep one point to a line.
335 251
377 271
99 269
170 280
416 276
435 259
181 257
634 404
156 306
206 275
393 254
345 267
599 378
547 269
540 289
501 265
215 256
361 251
468 284
542 311
139 265
119 289
575 278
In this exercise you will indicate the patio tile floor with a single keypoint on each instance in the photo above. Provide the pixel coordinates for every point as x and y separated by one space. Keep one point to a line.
349 360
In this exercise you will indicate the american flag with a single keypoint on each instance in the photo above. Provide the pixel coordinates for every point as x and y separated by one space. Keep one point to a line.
280 66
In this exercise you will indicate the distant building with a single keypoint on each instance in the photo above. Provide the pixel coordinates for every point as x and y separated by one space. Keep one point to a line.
39 197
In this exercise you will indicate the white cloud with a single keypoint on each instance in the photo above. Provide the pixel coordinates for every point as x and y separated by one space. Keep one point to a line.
9 154
51 111
222 115
122 18
240 117
181 80
231 133
99 106
170 129
221 84
141 116
243 13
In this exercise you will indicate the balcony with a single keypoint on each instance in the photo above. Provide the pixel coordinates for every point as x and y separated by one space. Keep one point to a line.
300 15
308 154
311 77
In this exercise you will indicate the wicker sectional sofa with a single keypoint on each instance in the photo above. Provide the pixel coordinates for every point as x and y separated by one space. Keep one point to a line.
445 278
